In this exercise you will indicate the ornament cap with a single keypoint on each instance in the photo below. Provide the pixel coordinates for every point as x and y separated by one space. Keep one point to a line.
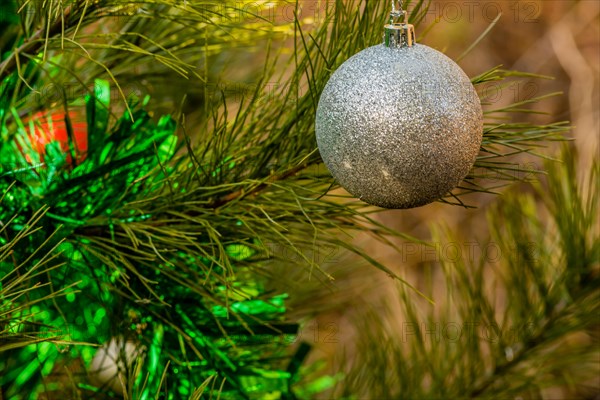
399 33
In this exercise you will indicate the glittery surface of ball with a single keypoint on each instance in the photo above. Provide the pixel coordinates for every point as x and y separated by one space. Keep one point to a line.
399 127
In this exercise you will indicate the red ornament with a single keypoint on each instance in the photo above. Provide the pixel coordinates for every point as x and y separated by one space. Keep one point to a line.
52 127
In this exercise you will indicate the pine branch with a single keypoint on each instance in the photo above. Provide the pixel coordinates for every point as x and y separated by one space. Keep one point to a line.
33 44
240 194
542 292
150 225
22 286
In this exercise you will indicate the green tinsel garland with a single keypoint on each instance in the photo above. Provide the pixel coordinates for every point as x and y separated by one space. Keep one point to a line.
239 333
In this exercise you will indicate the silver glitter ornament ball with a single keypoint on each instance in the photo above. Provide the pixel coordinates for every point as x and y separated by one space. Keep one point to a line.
399 127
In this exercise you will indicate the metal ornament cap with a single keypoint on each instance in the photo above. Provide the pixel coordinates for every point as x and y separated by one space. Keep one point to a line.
399 35
399 127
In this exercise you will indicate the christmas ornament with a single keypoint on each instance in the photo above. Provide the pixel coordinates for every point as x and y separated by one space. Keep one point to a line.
399 125
112 361
50 127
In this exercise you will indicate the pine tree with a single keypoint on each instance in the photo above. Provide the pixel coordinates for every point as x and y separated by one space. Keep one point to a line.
142 211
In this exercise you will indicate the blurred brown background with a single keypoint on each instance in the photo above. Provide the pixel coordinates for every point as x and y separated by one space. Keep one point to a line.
557 38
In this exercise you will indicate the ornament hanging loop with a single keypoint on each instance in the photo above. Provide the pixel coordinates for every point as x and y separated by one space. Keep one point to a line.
398 13
399 33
